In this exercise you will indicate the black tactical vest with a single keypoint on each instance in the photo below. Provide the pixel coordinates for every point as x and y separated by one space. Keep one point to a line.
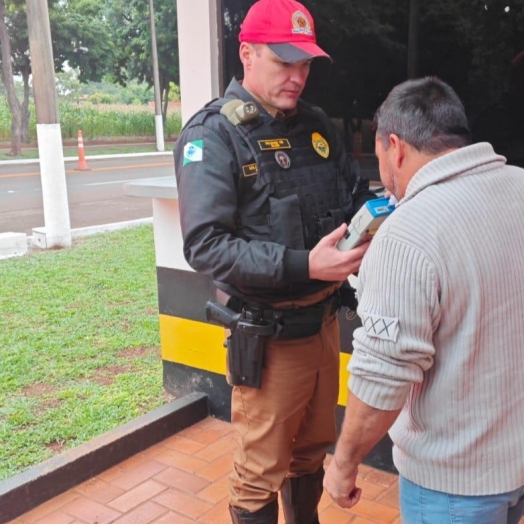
291 192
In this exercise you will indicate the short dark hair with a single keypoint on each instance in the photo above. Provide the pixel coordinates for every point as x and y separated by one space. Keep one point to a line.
426 113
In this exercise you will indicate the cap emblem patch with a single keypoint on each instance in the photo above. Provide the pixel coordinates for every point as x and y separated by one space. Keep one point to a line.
283 159
301 25
320 145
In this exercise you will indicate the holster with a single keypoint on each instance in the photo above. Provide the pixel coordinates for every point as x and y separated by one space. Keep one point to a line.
252 324
245 359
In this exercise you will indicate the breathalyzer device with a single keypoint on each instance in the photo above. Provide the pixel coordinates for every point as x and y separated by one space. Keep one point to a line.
366 222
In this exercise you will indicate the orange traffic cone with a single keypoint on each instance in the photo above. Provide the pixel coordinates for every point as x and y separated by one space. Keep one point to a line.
82 164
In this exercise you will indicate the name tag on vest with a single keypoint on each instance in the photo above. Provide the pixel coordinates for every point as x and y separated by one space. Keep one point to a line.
274 144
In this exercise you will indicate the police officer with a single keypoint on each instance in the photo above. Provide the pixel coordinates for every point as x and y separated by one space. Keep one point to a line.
265 190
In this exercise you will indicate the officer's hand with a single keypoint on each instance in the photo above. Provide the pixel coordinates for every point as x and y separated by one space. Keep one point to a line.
327 263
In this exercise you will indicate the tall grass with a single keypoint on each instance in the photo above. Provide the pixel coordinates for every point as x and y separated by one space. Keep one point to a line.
98 121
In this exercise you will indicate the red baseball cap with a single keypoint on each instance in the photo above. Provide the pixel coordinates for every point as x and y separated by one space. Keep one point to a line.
286 27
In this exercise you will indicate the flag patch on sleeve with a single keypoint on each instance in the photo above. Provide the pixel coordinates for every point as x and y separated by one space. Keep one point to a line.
385 328
193 152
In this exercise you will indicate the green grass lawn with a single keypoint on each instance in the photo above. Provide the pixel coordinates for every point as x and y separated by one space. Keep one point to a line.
79 344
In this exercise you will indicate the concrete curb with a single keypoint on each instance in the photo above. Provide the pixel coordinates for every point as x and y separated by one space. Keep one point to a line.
106 228
44 481
7 250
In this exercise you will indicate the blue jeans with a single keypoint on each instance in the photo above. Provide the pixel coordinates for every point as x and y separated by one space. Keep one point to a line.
419 505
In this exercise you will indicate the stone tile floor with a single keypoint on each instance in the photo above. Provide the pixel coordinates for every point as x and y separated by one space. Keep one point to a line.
183 480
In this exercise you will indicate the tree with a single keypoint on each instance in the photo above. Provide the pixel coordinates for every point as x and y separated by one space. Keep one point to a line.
367 41
81 37
498 36
130 22
8 80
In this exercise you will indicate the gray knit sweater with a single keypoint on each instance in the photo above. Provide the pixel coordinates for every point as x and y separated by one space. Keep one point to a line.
441 299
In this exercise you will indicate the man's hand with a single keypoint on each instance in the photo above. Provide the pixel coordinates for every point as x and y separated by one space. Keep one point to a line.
327 263
339 482
362 428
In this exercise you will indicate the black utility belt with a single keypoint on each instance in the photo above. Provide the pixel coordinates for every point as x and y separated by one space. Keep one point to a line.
293 323
252 325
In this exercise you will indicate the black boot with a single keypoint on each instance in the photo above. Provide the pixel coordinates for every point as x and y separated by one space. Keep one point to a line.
300 498
266 515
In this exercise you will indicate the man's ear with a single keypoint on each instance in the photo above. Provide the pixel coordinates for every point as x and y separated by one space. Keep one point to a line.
398 148
244 52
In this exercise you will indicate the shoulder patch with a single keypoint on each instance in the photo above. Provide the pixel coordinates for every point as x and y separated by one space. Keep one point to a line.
193 152
376 326
239 112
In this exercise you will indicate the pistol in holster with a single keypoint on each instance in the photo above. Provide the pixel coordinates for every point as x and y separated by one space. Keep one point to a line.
245 345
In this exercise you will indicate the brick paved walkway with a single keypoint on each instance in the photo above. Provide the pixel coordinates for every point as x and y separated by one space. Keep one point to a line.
182 480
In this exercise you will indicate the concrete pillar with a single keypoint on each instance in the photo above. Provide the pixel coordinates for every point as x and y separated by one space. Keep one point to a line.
199 53
57 231
159 124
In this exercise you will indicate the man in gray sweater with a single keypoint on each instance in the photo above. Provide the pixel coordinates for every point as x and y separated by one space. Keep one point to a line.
439 361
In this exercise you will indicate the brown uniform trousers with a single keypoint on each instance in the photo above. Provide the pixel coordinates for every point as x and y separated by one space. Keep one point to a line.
286 427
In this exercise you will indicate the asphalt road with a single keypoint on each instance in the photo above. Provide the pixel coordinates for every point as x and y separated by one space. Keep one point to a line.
96 197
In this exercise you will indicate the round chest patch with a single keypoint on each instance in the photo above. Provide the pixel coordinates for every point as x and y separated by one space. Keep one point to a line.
320 145
283 159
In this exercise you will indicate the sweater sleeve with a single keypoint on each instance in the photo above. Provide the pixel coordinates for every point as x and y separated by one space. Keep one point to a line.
399 309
